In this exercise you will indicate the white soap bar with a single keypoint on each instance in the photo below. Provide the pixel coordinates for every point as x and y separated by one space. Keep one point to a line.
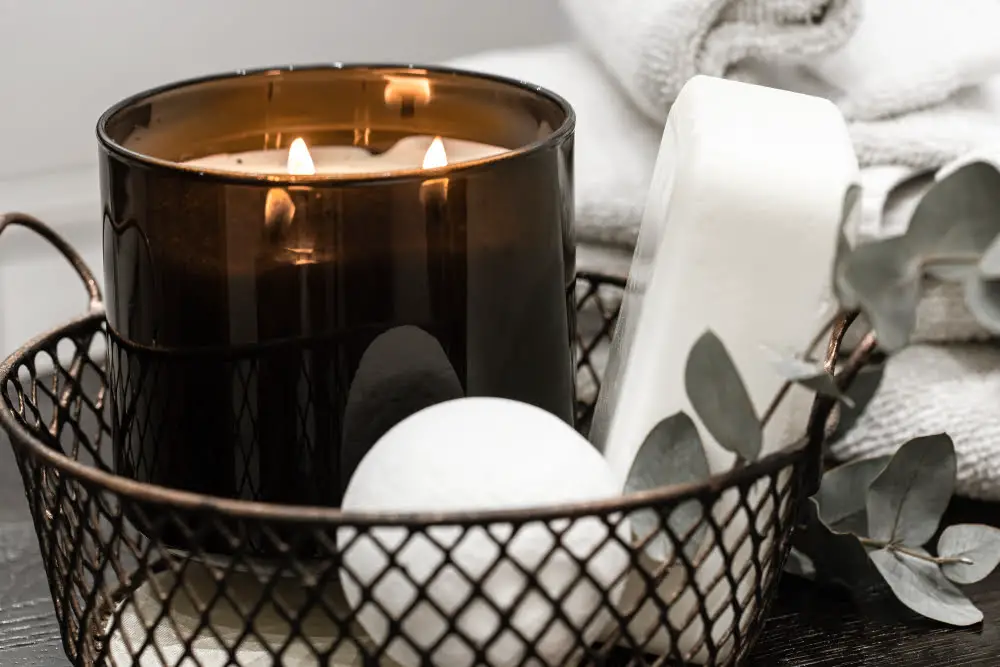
483 454
738 236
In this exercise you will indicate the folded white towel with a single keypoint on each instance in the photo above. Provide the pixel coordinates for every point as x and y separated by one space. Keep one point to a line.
654 46
932 137
907 55
902 55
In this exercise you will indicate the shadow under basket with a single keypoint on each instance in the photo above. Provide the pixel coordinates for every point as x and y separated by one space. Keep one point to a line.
552 586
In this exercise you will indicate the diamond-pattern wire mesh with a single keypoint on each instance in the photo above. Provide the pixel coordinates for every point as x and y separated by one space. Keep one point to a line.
561 586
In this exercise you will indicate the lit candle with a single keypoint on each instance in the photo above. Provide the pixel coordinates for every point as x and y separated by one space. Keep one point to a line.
302 160
296 262
246 286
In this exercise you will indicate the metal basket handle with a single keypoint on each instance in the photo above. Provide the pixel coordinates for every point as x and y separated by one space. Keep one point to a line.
96 304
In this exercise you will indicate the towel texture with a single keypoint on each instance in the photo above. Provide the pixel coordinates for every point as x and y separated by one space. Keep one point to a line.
654 46
949 382
926 389
907 55
875 59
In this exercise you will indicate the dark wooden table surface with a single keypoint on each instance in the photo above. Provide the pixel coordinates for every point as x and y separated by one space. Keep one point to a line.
809 626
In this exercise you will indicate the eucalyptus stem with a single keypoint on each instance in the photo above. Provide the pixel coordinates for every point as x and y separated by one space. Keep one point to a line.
937 560
839 322
775 402
840 327
858 359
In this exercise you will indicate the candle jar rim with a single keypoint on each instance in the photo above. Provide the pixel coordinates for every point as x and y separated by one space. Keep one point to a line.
557 134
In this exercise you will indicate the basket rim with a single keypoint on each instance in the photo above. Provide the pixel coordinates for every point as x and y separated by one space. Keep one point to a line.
22 439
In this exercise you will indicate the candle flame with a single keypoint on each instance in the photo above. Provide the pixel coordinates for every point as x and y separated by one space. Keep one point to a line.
435 156
300 162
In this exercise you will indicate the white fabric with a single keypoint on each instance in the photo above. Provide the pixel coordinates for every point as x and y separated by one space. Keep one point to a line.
953 389
956 375
908 55
902 55
654 46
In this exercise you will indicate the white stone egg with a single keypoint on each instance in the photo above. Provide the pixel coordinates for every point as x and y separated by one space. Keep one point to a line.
474 454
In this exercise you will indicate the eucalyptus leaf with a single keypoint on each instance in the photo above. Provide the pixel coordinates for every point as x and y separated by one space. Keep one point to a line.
958 217
842 494
921 586
861 391
824 385
906 501
977 543
720 398
843 246
989 263
884 280
982 298
837 558
809 374
851 206
671 454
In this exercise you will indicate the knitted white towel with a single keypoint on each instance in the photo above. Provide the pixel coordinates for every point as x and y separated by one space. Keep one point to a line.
903 54
933 389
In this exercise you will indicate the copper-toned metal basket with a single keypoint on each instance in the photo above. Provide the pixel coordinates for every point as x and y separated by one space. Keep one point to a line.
561 585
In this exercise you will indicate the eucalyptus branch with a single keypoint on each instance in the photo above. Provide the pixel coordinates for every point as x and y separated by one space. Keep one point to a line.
775 402
937 560
840 328
954 236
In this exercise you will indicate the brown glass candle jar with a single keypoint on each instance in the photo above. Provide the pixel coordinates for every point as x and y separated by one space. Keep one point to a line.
266 329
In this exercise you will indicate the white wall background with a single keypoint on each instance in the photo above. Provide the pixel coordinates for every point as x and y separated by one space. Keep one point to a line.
62 62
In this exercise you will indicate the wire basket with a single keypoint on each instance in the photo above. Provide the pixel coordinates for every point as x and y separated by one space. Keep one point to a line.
554 586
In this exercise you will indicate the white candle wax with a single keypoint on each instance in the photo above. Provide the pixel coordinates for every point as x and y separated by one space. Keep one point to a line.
407 153
738 236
